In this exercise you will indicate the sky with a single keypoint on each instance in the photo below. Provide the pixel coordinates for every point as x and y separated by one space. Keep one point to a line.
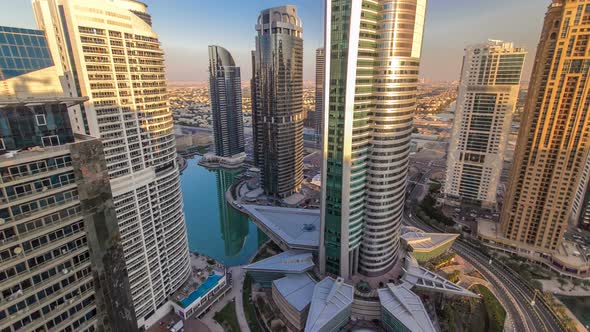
187 27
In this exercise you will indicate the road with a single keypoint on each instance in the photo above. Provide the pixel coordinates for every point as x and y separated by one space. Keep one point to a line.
516 295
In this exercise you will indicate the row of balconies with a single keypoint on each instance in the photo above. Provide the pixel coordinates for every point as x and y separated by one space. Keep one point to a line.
41 323
28 174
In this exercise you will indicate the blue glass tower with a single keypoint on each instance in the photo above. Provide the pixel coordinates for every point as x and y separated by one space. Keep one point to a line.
22 51
225 90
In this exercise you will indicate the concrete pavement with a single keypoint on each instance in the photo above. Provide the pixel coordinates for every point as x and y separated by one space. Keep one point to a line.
234 294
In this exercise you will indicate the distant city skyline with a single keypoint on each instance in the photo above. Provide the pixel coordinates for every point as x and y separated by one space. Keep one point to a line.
186 27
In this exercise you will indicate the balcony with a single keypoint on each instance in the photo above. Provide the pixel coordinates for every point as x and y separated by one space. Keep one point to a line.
21 313
47 227
45 171
45 189
51 280
30 272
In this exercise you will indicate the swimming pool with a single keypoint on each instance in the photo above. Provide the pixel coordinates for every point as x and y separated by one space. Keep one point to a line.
209 284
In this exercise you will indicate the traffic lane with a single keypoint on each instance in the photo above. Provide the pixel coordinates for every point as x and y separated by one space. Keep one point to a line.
509 304
539 321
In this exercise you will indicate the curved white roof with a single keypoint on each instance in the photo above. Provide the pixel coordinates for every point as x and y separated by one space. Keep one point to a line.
420 277
330 297
405 306
291 261
297 289
299 228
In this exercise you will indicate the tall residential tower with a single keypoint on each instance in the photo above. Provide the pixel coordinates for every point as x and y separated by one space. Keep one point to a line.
107 50
554 137
278 117
225 91
62 266
372 60
320 77
490 80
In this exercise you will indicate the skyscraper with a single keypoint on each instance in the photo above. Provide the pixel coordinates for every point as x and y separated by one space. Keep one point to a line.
373 55
225 91
278 101
107 50
488 91
553 140
62 264
580 215
320 71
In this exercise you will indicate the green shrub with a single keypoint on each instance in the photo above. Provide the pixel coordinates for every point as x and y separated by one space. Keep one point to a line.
227 318
428 206
454 276
496 315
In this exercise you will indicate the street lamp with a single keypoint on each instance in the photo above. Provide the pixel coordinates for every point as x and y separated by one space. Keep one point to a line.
534 297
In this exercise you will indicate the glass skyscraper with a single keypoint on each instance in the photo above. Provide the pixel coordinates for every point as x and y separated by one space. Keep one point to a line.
372 59
22 51
225 91
277 119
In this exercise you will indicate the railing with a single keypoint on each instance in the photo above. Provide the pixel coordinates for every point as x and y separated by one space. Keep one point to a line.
53 296
43 265
39 190
37 230
40 286
44 208
54 243
24 175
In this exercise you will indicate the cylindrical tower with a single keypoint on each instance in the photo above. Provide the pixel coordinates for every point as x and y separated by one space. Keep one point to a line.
373 54
225 91
278 112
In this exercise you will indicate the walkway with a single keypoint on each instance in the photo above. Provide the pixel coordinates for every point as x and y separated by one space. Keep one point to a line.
235 293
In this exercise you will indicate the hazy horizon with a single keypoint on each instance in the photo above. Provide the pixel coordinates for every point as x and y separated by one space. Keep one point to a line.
186 28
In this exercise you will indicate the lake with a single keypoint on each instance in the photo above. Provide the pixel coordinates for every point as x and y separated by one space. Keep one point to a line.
579 306
214 228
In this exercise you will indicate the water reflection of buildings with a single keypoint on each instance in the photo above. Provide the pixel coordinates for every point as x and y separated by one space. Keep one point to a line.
233 224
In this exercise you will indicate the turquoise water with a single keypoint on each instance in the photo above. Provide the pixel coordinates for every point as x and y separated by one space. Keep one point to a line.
214 228
579 306
210 283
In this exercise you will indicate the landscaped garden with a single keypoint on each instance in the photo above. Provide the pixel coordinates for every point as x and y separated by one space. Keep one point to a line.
227 318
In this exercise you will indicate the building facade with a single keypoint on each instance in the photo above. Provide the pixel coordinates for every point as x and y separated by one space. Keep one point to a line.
62 262
277 101
107 50
488 92
315 118
225 91
582 217
373 56
553 140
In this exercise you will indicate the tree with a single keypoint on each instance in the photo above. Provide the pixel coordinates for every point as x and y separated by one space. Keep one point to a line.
576 283
454 276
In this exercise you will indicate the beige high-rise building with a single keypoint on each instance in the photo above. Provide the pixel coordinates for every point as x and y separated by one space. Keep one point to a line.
554 137
107 50
488 91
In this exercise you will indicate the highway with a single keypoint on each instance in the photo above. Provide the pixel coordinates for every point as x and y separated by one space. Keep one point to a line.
515 294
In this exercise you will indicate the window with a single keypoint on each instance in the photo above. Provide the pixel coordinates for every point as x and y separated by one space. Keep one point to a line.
41 121
52 140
